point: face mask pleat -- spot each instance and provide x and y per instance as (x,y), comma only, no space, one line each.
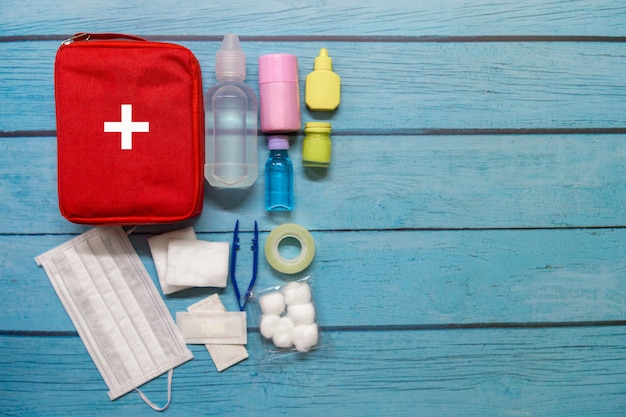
(158,319)
(86,312)
(117,307)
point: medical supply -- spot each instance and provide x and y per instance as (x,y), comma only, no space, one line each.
(130,130)
(233,264)
(118,312)
(223,356)
(316,146)
(278,175)
(197,263)
(279,93)
(268,324)
(210,327)
(323,86)
(158,247)
(296,292)
(231,121)
(287,328)
(283,333)
(272,304)
(295,264)
(305,337)
(301,313)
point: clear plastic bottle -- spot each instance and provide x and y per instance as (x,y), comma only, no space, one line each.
(278,175)
(231,109)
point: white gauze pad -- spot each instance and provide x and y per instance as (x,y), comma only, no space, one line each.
(158,248)
(197,263)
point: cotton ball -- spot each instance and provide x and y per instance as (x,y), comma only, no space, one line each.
(305,337)
(297,293)
(301,313)
(283,334)
(272,303)
(268,324)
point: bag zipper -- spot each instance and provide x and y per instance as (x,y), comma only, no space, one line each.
(83,36)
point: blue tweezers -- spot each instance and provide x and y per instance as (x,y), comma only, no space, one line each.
(233,263)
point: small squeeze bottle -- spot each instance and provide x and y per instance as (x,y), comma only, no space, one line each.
(231,122)
(323,86)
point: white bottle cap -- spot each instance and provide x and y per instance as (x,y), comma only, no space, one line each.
(230,60)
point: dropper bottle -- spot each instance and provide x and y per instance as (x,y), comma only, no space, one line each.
(231,108)
(323,86)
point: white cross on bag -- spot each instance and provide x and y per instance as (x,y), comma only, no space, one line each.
(126,127)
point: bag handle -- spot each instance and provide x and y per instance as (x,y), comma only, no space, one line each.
(83,36)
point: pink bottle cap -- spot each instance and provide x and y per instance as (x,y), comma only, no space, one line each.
(277,68)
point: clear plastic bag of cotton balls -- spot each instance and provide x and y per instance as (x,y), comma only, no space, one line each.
(288,319)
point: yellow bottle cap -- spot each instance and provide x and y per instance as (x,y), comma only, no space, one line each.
(320,127)
(323,61)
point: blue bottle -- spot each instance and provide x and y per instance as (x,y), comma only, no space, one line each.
(278,175)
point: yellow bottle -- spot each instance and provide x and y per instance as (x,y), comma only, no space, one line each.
(316,146)
(322,91)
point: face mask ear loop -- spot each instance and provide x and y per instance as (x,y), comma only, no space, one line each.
(170,374)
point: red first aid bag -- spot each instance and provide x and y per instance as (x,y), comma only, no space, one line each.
(130,130)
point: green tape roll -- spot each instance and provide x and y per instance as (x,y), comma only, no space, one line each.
(300,262)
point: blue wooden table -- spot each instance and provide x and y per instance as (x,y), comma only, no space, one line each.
(470,232)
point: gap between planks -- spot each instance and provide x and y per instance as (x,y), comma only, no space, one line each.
(406,132)
(348,38)
(387,328)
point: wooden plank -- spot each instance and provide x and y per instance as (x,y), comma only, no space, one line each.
(399,278)
(391,87)
(556,372)
(423,182)
(280,18)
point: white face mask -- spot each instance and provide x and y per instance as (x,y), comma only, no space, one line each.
(116,309)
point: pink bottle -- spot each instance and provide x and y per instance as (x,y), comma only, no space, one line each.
(279,93)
